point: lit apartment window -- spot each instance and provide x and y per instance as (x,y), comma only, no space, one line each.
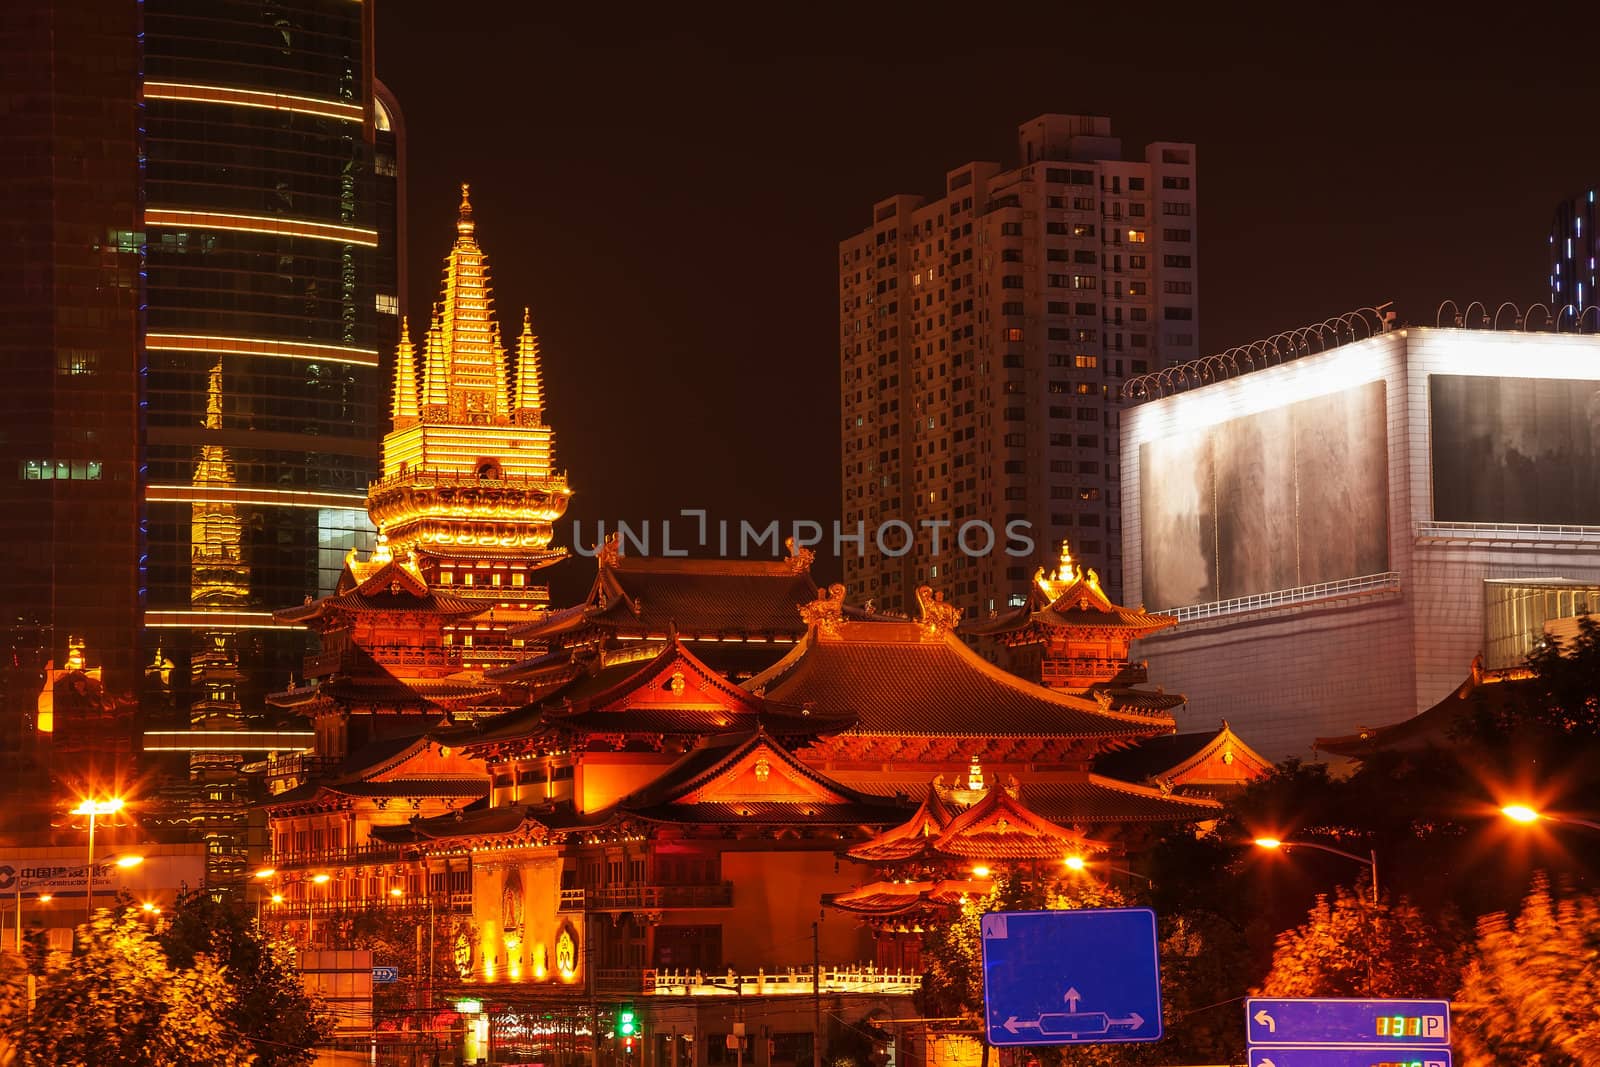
(1087,362)
(1136,237)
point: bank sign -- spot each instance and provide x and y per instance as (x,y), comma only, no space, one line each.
(53,875)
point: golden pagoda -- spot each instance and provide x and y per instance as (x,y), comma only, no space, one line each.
(468,484)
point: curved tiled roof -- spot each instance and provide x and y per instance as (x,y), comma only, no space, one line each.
(900,679)
(1089,799)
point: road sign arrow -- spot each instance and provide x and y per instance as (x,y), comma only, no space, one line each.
(1072,998)
(1013,1024)
(1266,1020)
(1264,1062)
(1132,1022)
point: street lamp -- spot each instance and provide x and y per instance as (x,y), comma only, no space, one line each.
(1081,865)
(1273,844)
(93,808)
(1527,816)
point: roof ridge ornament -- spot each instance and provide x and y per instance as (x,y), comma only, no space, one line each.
(936,616)
(827,611)
(800,558)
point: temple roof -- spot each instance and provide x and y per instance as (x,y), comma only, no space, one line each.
(1493,690)
(908,897)
(1190,760)
(380,584)
(670,693)
(1000,826)
(753,779)
(650,596)
(919,678)
(1070,597)
(1086,800)
(408,766)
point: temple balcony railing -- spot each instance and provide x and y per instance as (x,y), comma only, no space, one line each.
(781,981)
(647,897)
(1068,673)
(343,856)
(290,909)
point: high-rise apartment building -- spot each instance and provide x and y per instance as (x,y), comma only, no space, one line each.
(202,203)
(1573,252)
(984,338)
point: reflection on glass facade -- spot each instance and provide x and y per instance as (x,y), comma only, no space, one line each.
(70,298)
(266,214)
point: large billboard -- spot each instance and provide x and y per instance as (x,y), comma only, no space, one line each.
(1294,496)
(1515,450)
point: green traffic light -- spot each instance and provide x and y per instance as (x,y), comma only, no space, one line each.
(625,1023)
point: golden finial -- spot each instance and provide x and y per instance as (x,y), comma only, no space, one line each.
(1065,570)
(464,219)
(405,330)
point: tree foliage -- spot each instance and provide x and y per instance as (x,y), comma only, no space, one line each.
(268,1004)
(116,999)
(1349,946)
(1530,990)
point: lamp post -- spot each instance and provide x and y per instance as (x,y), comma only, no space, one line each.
(93,808)
(1273,844)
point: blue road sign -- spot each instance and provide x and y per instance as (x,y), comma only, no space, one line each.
(385,974)
(1328,1021)
(1303,1056)
(1071,977)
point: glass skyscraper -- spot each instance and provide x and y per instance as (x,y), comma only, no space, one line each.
(206,198)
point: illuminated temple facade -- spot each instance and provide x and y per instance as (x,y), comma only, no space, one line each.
(661,798)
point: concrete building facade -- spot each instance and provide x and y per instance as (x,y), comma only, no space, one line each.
(1341,526)
(984,337)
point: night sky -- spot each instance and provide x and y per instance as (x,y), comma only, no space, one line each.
(667,190)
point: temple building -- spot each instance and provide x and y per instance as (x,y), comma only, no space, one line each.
(649,802)
(738,614)
(465,511)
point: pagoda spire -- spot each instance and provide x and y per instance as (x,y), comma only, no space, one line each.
(436,370)
(502,388)
(405,376)
(530,391)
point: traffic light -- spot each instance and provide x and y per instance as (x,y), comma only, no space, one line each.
(627,1046)
(627,1026)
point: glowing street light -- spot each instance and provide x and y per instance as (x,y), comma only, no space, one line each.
(397,892)
(1527,816)
(93,808)
(1080,865)
(980,871)
(266,872)
(1273,844)
(129,861)
(320,879)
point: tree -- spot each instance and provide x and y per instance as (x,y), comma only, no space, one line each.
(269,1005)
(13,1007)
(1529,991)
(115,999)
(1348,946)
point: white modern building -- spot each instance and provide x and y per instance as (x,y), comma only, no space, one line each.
(1342,533)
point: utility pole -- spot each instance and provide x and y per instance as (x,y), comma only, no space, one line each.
(816,996)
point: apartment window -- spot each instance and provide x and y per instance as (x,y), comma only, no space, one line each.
(1136,237)
(1011,281)
(1060,492)
(1135,185)
(1056,307)
(1138,288)
(1086,255)
(1060,440)
(1015,415)
(1084,335)
(1016,492)
(1177,261)
(1061,466)
(1083,309)
(1176,207)
(1173,181)
(1012,360)
(1011,229)
(1087,362)
(1136,262)
(1175,155)
(1088,440)
(1083,203)
(1016,466)
(1088,494)
(1170,286)
(1013,333)
(1059,333)
(77,361)
(1057,412)
(1011,255)
(1059,228)
(1088,415)
(1177,313)
(1015,440)
(1085,281)
(1179,236)
(1011,307)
